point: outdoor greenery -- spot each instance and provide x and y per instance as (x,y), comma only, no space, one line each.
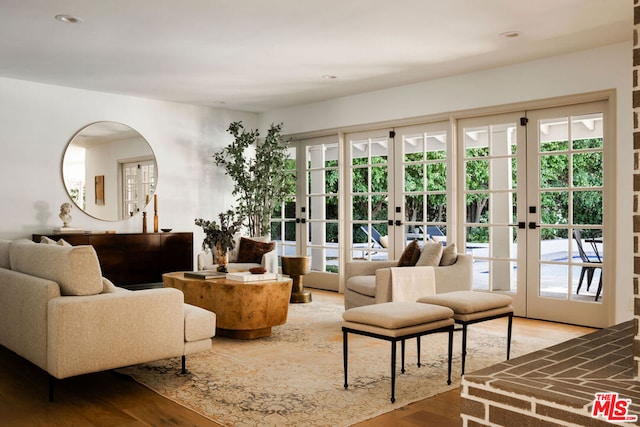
(585,191)
(260,179)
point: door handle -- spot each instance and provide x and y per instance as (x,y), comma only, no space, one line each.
(521,224)
(398,222)
(533,225)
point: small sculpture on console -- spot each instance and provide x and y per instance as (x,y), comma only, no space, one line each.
(65,214)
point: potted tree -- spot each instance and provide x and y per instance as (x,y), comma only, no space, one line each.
(219,236)
(260,182)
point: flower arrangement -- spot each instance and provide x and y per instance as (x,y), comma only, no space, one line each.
(219,236)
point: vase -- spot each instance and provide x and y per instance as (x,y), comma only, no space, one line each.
(221,258)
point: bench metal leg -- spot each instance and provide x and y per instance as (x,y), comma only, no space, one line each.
(509,327)
(402,346)
(393,371)
(450,354)
(344,356)
(418,338)
(464,346)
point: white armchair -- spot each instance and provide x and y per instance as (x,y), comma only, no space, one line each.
(207,261)
(369,282)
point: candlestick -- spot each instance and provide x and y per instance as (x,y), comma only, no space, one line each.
(144,222)
(155,213)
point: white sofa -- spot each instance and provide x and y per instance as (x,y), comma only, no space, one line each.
(58,312)
(369,282)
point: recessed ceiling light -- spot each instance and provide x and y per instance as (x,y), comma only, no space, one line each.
(329,77)
(69,19)
(510,34)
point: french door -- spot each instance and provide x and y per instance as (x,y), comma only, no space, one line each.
(307,222)
(397,188)
(531,180)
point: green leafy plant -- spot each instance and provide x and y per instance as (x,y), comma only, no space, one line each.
(219,236)
(260,180)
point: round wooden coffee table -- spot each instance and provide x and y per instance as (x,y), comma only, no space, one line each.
(244,310)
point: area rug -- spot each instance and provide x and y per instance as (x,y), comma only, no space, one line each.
(295,377)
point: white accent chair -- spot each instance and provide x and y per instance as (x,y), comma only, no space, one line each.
(369,282)
(206,259)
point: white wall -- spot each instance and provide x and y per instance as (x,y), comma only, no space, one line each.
(581,72)
(37,121)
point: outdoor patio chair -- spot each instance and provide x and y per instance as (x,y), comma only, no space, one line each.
(374,235)
(588,269)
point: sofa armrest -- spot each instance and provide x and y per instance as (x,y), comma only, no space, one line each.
(455,277)
(270,261)
(366,268)
(383,285)
(99,332)
(23,314)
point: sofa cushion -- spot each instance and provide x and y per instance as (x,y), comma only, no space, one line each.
(199,324)
(4,253)
(252,251)
(76,269)
(365,285)
(430,255)
(410,255)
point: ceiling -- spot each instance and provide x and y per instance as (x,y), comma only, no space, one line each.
(259,55)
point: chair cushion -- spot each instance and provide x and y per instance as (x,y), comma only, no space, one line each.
(396,315)
(365,285)
(410,255)
(431,254)
(466,302)
(252,251)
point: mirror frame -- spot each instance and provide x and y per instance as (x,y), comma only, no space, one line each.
(102,185)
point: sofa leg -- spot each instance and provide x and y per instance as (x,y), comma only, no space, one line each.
(51,386)
(184,365)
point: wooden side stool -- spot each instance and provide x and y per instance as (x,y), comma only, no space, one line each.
(471,307)
(397,321)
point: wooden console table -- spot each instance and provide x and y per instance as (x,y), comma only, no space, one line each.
(129,259)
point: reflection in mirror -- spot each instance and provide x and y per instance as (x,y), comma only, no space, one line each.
(109,171)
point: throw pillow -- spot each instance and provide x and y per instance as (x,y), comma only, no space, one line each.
(48,241)
(449,255)
(431,254)
(410,255)
(108,286)
(63,242)
(251,251)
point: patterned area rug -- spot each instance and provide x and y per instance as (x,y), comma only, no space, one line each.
(295,377)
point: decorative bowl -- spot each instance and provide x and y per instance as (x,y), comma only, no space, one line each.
(166,230)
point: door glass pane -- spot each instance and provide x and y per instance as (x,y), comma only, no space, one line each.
(554,171)
(554,134)
(587,169)
(554,207)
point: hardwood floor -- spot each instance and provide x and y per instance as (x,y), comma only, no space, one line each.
(110,399)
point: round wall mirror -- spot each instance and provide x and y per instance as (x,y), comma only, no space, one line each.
(109,171)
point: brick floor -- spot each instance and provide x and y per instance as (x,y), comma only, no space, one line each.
(556,385)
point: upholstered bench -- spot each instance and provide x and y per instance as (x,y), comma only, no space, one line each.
(397,321)
(472,307)
(199,324)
